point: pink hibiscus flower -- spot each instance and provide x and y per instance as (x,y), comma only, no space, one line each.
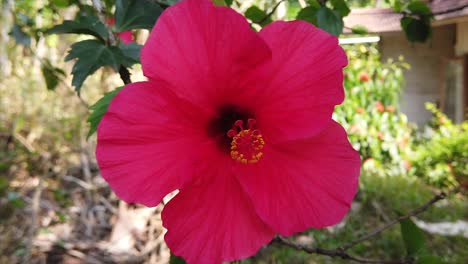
(126,36)
(240,123)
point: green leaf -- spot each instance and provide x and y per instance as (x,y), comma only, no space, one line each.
(89,25)
(341,7)
(20,36)
(308,14)
(314,3)
(219,2)
(416,29)
(176,260)
(429,260)
(257,16)
(3,185)
(99,109)
(135,14)
(413,237)
(228,2)
(361,30)
(61,3)
(397,5)
(329,21)
(90,55)
(420,8)
(131,51)
(51,75)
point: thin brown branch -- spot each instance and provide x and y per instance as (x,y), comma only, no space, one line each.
(270,13)
(415,212)
(442,12)
(335,253)
(341,252)
(450,10)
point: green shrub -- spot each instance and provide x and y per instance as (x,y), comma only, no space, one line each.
(441,154)
(371,112)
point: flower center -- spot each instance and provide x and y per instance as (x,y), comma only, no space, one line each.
(246,144)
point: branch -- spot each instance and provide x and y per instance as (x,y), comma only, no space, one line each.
(342,251)
(450,10)
(335,253)
(415,212)
(100,8)
(124,75)
(270,13)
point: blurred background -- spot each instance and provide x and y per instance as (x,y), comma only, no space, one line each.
(405,112)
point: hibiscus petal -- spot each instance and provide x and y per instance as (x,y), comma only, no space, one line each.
(204,51)
(147,143)
(305,79)
(214,221)
(305,183)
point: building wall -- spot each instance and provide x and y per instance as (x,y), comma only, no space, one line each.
(423,79)
(461,46)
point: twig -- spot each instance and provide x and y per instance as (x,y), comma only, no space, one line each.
(335,253)
(450,10)
(100,8)
(342,250)
(270,13)
(124,75)
(416,211)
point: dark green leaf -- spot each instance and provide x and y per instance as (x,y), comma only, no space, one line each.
(89,25)
(51,75)
(329,21)
(341,7)
(420,8)
(176,260)
(308,14)
(168,2)
(90,55)
(20,36)
(359,30)
(416,29)
(131,51)
(135,14)
(257,16)
(228,2)
(429,260)
(413,237)
(99,109)
(314,3)
(86,10)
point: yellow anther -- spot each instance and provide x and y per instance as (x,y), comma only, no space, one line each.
(246,146)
